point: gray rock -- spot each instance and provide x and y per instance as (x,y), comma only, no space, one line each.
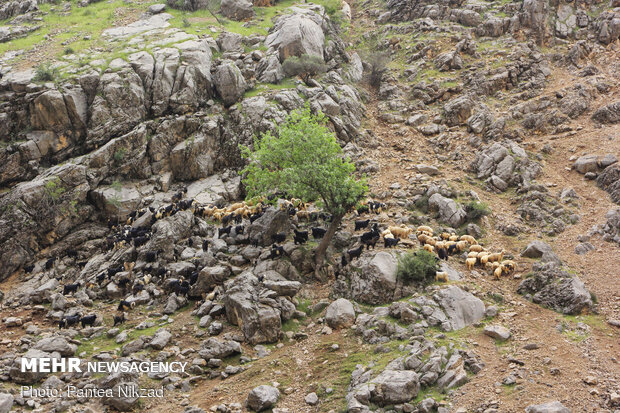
(340,314)
(586,163)
(461,308)
(56,344)
(540,249)
(262,398)
(583,248)
(133,346)
(160,339)
(608,114)
(237,9)
(393,387)
(28,377)
(449,211)
(213,348)
(312,399)
(372,279)
(157,8)
(552,287)
(13,322)
(497,332)
(609,180)
(258,316)
(6,402)
(297,34)
(551,407)
(230,42)
(229,82)
(272,222)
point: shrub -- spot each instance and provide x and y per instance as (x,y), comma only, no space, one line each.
(422,203)
(45,73)
(69,50)
(476,210)
(304,66)
(378,62)
(186,22)
(419,266)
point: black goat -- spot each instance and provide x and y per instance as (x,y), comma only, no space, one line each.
(88,320)
(276,251)
(100,278)
(119,319)
(223,230)
(318,232)
(28,269)
(239,229)
(278,238)
(205,245)
(68,321)
(49,264)
(113,270)
(302,235)
(361,224)
(442,253)
(70,288)
(150,256)
(390,242)
(125,305)
(355,252)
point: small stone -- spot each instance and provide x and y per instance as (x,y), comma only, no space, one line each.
(312,399)
(497,332)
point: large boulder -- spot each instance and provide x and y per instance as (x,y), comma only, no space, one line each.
(209,278)
(237,9)
(340,314)
(6,402)
(608,113)
(461,308)
(609,180)
(372,279)
(272,222)
(213,348)
(229,82)
(295,35)
(253,309)
(262,398)
(542,250)
(449,211)
(56,344)
(394,387)
(28,377)
(160,339)
(122,400)
(552,287)
(459,109)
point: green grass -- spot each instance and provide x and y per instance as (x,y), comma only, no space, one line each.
(104,343)
(287,83)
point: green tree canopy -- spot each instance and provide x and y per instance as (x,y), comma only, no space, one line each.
(305,161)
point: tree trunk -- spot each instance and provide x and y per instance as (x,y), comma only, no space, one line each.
(319,256)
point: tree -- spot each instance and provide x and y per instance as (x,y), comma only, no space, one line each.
(305,66)
(305,161)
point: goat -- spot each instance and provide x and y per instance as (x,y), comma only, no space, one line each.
(318,232)
(355,252)
(278,238)
(70,288)
(361,224)
(429,248)
(301,235)
(88,320)
(119,319)
(276,251)
(223,230)
(205,245)
(390,242)
(442,253)
(125,305)
(49,264)
(69,320)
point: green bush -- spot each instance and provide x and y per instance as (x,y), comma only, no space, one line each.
(476,210)
(304,66)
(422,203)
(419,266)
(45,73)
(69,50)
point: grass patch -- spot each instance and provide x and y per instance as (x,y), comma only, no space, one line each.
(287,83)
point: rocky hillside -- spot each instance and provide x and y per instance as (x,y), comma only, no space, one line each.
(119,182)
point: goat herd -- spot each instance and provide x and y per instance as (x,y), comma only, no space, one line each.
(137,229)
